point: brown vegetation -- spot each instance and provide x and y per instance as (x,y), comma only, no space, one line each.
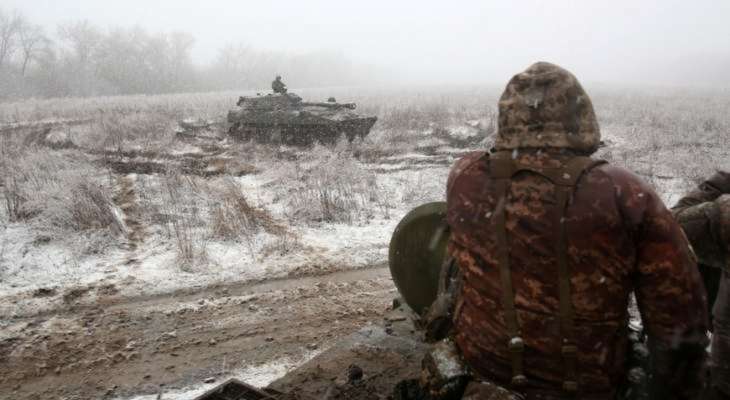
(58,160)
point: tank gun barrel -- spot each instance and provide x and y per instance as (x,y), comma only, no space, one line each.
(349,106)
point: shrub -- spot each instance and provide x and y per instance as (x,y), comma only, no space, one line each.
(232,217)
(182,216)
(121,132)
(82,205)
(332,186)
(59,191)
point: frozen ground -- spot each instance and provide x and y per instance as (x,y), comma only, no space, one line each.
(258,376)
(134,261)
(33,260)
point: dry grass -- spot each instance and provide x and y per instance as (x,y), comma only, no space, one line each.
(89,207)
(284,244)
(124,132)
(233,217)
(13,200)
(174,106)
(384,143)
(182,215)
(664,136)
(193,211)
(58,190)
(331,186)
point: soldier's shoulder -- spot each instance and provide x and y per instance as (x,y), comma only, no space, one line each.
(469,159)
(466,163)
(619,175)
(634,196)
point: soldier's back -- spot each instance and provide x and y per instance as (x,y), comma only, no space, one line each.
(609,207)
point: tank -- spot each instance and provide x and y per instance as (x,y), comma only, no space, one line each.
(286,119)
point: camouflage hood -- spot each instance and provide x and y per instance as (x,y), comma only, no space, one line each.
(545,106)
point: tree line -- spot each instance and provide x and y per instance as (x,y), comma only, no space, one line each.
(82,59)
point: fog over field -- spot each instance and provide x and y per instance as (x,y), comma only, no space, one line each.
(167,224)
(653,42)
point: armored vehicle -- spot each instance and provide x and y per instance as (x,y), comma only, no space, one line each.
(284,118)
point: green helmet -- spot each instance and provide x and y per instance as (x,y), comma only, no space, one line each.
(417,252)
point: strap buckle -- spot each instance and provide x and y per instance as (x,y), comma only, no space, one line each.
(516,345)
(519,380)
(570,353)
(569,350)
(570,386)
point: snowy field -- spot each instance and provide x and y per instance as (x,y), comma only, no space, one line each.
(102,203)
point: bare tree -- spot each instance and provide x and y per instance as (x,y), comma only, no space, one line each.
(237,65)
(181,43)
(32,41)
(9,25)
(84,40)
(87,60)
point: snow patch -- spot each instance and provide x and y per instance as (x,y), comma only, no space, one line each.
(257,376)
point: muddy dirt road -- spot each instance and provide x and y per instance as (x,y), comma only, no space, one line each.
(117,347)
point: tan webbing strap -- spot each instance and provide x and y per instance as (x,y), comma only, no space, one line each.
(564,188)
(569,350)
(501,169)
(515,344)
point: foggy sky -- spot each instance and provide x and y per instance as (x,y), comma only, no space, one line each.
(649,41)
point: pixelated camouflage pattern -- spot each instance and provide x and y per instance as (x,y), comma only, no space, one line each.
(705,218)
(704,214)
(700,224)
(709,190)
(545,106)
(621,238)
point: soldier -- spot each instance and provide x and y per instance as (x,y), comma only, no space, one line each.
(551,244)
(278,86)
(704,215)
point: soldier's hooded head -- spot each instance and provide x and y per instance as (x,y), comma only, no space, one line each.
(546,107)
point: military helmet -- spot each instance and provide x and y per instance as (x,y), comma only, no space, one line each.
(545,106)
(417,252)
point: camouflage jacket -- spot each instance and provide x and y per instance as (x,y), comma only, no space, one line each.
(621,238)
(704,214)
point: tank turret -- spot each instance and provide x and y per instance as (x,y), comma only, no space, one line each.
(284,118)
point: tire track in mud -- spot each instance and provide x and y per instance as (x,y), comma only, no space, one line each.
(142,345)
(377,271)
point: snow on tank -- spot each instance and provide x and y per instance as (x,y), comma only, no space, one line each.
(286,119)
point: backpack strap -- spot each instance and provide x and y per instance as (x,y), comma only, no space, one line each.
(502,168)
(565,187)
